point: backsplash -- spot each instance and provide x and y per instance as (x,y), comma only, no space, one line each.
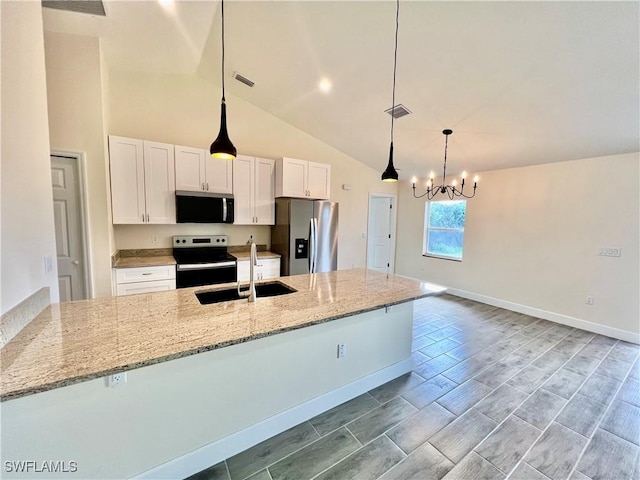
(132,237)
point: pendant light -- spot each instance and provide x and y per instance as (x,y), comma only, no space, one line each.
(390,174)
(222,147)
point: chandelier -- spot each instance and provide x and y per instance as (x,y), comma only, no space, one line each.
(451,190)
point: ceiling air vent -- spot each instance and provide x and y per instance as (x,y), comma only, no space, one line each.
(92,7)
(398,111)
(243,79)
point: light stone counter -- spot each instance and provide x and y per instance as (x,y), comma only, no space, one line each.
(246,255)
(78,341)
(151,261)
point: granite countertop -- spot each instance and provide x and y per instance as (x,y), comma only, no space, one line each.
(246,255)
(147,257)
(155,261)
(78,341)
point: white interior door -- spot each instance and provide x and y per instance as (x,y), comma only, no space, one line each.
(67,210)
(381,234)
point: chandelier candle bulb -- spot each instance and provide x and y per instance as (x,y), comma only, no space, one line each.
(453,182)
(413,181)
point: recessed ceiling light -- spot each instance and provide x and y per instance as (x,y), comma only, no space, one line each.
(325,85)
(166,3)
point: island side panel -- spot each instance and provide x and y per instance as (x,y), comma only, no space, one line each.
(167,411)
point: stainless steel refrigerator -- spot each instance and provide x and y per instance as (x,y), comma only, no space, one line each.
(306,235)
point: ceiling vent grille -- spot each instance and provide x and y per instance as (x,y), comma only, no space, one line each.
(243,79)
(398,111)
(92,7)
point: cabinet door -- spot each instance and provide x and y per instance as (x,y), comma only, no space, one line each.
(243,269)
(159,182)
(270,268)
(264,194)
(292,178)
(190,164)
(319,180)
(243,190)
(127,180)
(218,175)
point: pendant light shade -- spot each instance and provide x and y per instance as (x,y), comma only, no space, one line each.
(222,147)
(390,174)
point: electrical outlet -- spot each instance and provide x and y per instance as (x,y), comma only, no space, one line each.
(154,238)
(610,252)
(117,379)
(589,300)
(342,350)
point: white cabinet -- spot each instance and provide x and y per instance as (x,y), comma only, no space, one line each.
(145,279)
(303,179)
(253,191)
(266,268)
(197,171)
(142,181)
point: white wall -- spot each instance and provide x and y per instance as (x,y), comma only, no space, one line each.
(27,233)
(185,110)
(532,238)
(76,124)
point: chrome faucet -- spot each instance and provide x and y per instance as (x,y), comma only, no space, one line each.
(252,279)
(253,261)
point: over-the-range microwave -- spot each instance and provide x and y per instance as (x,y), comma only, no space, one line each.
(197,207)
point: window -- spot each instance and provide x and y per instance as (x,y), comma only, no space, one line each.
(444,228)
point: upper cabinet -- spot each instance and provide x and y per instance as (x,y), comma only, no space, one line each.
(253,191)
(303,179)
(197,171)
(142,181)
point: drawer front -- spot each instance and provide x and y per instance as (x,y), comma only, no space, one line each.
(145,274)
(145,287)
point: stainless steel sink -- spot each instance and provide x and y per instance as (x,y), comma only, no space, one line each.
(267,289)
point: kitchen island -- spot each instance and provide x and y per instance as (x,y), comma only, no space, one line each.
(204,381)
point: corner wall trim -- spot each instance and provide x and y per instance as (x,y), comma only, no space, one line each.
(235,443)
(551,316)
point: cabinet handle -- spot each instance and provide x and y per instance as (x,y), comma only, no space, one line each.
(148,273)
(147,218)
(207,186)
(202,185)
(143,218)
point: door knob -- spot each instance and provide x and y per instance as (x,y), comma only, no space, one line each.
(76,262)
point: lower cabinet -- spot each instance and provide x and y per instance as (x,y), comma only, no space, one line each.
(266,268)
(145,279)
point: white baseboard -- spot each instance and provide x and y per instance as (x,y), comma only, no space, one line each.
(215,452)
(551,316)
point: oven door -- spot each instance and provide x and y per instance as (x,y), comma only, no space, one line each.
(198,274)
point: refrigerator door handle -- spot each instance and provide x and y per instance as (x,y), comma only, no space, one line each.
(315,245)
(311,245)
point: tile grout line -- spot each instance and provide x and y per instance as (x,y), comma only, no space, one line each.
(604,415)
(560,412)
(520,405)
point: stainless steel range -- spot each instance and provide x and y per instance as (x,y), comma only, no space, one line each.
(203,260)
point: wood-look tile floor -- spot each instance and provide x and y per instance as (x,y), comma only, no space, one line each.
(493,394)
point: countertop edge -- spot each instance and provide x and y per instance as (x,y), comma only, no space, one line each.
(154,361)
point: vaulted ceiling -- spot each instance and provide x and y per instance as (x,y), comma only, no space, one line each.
(520,83)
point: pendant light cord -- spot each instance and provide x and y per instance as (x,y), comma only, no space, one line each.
(222,7)
(395,60)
